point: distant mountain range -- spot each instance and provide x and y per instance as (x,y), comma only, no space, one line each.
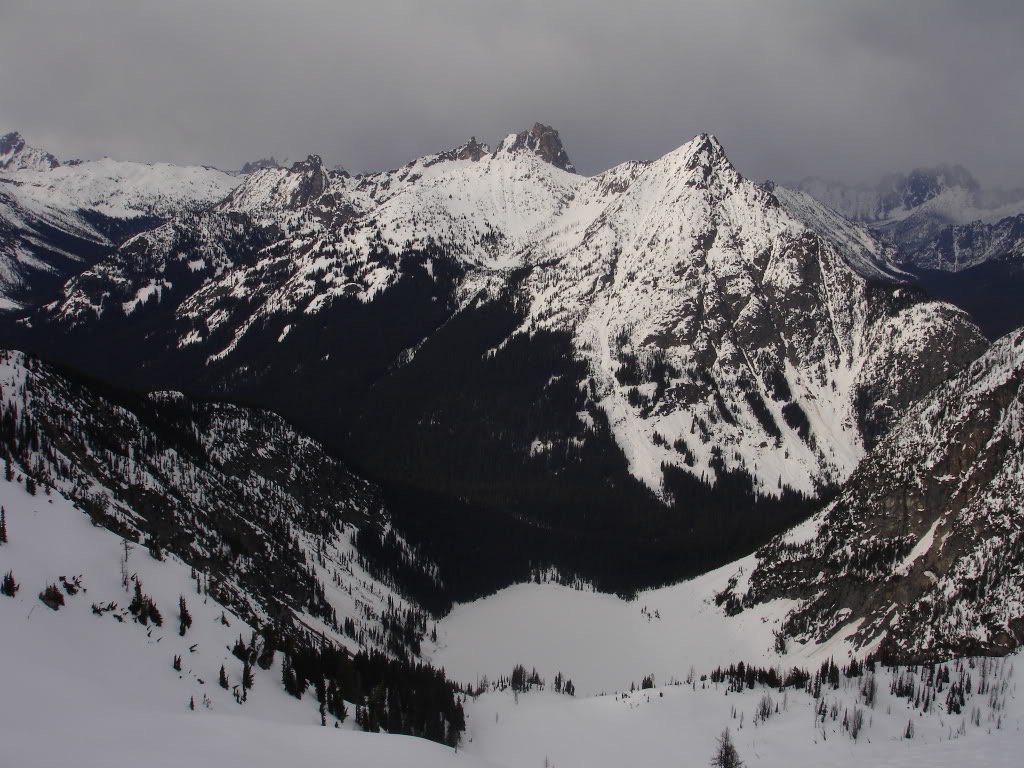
(939,218)
(57,220)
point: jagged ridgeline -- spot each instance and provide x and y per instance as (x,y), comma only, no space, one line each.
(625,379)
(262,513)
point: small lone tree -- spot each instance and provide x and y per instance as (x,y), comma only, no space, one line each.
(185,618)
(52,597)
(3,525)
(9,586)
(726,755)
(223,678)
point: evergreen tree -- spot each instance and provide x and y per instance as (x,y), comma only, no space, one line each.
(247,676)
(3,525)
(726,756)
(138,601)
(30,485)
(9,586)
(223,680)
(185,618)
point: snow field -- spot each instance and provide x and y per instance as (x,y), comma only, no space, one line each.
(92,691)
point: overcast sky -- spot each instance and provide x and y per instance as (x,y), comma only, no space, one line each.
(830,88)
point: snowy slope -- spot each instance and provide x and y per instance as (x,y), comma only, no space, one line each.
(119,699)
(958,247)
(225,488)
(680,725)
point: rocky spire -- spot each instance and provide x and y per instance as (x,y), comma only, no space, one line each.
(543,141)
(313,182)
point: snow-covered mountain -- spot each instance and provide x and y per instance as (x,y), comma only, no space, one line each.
(671,325)
(937,218)
(948,192)
(958,247)
(56,220)
(679,264)
(688,286)
(925,545)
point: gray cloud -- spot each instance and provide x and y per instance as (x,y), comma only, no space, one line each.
(839,89)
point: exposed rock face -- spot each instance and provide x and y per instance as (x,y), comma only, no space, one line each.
(898,192)
(544,142)
(472,150)
(312,184)
(924,548)
(16,155)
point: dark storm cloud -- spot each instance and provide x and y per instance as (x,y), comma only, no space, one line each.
(842,89)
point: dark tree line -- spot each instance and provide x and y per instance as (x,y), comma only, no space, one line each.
(390,694)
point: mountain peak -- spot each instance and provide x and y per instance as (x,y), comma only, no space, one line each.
(312,163)
(277,187)
(705,151)
(257,165)
(541,140)
(16,155)
(702,160)
(923,184)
